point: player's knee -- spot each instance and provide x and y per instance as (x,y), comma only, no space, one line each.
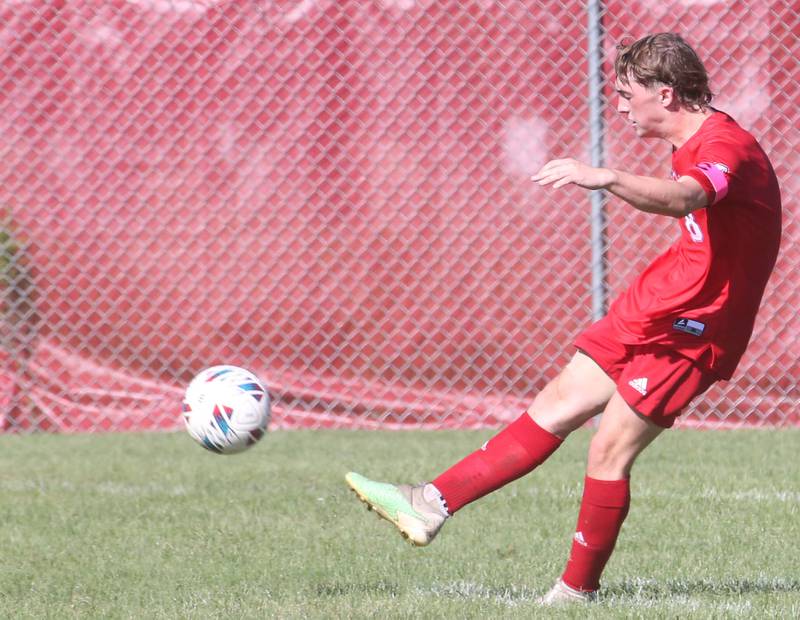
(560,407)
(608,459)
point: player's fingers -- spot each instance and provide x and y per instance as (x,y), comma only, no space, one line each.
(548,168)
(547,179)
(547,176)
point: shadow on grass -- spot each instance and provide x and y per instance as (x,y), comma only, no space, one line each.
(647,589)
(675,587)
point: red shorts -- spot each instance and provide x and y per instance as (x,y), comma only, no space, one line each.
(655,381)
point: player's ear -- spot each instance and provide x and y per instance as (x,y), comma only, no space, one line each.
(666,96)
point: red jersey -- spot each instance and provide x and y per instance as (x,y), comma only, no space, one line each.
(701,296)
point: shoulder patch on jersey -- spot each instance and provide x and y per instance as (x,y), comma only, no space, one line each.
(689,326)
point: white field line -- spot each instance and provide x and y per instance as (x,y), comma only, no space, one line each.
(680,604)
(510,596)
(513,596)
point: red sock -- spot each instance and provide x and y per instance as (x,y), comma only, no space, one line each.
(603,509)
(513,452)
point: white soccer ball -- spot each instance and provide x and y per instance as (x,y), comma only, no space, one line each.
(226,409)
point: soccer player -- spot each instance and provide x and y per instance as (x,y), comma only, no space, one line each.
(681,325)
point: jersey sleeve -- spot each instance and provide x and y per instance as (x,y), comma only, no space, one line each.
(715,168)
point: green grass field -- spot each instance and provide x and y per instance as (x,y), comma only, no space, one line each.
(153,526)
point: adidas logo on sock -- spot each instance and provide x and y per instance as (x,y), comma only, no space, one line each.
(640,385)
(578,538)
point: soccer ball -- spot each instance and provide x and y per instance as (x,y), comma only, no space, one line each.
(226,409)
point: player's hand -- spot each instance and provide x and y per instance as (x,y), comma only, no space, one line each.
(561,172)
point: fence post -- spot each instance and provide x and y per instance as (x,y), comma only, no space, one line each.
(596,134)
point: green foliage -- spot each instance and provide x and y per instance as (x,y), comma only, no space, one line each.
(9,259)
(17,294)
(153,526)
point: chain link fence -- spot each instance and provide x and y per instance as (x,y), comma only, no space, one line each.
(336,195)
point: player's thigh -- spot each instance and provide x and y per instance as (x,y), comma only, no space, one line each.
(579,392)
(621,436)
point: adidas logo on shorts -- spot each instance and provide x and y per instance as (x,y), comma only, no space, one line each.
(640,385)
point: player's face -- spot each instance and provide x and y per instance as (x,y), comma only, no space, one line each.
(642,107)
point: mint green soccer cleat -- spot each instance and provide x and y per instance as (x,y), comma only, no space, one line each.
(415,511)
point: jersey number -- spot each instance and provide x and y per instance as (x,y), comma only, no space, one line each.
(694,228)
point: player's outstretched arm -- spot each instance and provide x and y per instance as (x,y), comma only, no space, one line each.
(649,194)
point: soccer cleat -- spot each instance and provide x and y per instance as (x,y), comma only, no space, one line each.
(561,594)
(415,511)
